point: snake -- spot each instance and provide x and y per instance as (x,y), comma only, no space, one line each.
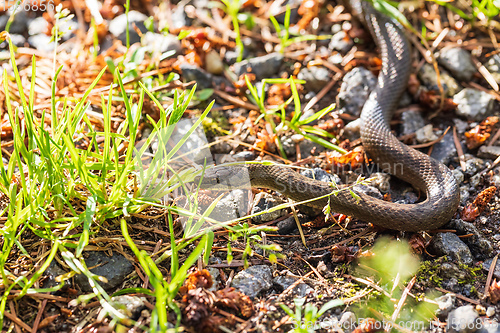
(424,173)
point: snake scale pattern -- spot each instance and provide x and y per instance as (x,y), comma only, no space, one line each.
(423,172)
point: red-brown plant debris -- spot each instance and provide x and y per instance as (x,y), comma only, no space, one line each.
(279,93)
(472,211)
(353,159)
(206,311)
(417,243)
(343,254)
(432,100)
(369,325)
(479,134)
(494,292)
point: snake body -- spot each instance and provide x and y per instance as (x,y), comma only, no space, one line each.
(423,172)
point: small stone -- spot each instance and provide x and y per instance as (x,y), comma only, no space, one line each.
(449,244)
(214,273)
(473,166)
(231,206)
(41,42)
(253,280)
(444,151)
(195,73)
(335,59)
(489,152)
(300,290)
(459,176)
(214,63)
(446,303)
(490,311)
(118,26)
(493,66)
(381,181)
(262,202)
(340,42)
(428,76)
(263,67)
(352,130)
(17,40)
(461,125)
(425,134)
(308,148)
(114,268)
(368,190)
(486,267)
(348,321)
(129,306)
(411,121)
(51,273)
(20,23)
(297,138)
(161,43)
(474,104)
(463,320)
(316,77)
(459,62)
(244,156)
(355,89)
(37,26)
(321,175)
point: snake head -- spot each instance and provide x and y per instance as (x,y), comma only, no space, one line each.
(224,178)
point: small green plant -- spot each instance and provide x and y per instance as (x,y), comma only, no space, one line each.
(284,32)
(305,319)
(296,123)
(232,8)
(251,238)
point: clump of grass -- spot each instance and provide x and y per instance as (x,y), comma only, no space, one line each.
(48,172)
(296,123)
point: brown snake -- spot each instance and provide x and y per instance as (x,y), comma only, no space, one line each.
(423,172)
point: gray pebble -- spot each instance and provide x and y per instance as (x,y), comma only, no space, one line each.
(352,130)
(446,303)
(161,43)
(355,89)
(114,269)
(194,73)
(425,134)
(463,320)
(474,104)
(480,247)
(231,206)
(316,77)
(411,121)
(262,67)
(340,42)
(459,62)
(444,151)
(129,306)
(449,244)
(428,76)
(300,290)
(262,202)
(253,280)
(493,66)
(488,152)
(118,26)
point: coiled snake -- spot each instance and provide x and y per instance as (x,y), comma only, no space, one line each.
(423,172)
